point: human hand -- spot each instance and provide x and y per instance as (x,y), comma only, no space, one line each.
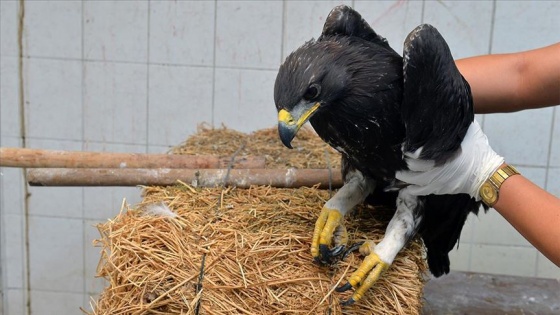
(464,172)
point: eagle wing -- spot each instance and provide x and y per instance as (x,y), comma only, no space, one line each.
(437,110)
(437,106)
(345,21)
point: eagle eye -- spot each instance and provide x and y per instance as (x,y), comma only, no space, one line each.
(312,92)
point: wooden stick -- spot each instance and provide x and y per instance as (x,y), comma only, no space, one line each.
(202,178)
(34,158)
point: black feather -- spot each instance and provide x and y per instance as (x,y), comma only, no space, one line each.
(368,111)
(444,217)
(437,106)
(345,21)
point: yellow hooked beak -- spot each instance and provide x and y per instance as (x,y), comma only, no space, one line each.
(290,123)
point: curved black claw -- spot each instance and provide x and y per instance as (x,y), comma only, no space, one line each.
(351,249)
(329,256)
(337,251)
(343,288)
(348,302)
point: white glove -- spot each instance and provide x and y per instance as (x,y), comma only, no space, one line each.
(464,172)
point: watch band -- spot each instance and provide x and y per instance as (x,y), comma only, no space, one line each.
(489,191)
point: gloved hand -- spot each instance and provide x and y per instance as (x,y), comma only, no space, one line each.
(464,172)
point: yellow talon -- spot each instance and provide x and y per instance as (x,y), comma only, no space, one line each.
(326,224)
(367,274)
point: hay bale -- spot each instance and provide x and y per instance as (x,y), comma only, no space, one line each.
(252,245)
(309,150)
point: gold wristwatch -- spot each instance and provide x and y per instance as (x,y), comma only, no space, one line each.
(489,191)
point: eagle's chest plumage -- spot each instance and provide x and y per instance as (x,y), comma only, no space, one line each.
(371,144)
(364,123)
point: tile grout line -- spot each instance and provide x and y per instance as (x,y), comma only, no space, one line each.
(165,64)
(423,12)
(489,51)
(492,26)
(283,35)
(23,134)
(83,148)
(213,96)
(550,141)
(148,80)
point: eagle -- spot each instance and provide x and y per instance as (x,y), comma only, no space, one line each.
(372,105)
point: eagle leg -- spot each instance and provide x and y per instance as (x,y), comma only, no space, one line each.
(402,227)
(330,236)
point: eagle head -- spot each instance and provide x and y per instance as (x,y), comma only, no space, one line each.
(343,78)
(311,79)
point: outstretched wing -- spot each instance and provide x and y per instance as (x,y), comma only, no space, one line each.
(437,106)
(345,21)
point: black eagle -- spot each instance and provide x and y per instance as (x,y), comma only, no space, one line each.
(371,105)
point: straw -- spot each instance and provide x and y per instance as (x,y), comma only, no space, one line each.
(255,244)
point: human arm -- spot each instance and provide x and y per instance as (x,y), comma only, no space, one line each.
(513,82)
(501,83)
(533,212)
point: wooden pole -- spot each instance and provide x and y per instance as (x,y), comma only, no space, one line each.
(34,158)
(243,178)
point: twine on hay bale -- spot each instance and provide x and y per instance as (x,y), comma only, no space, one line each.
(252,245)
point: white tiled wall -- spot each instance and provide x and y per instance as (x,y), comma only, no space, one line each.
(180,97)
(172,39)
(115,30)
(138,76)
(53,29)
(53,98)
(115,99)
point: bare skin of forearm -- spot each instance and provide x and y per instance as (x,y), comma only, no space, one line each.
(534,213)
(511,82)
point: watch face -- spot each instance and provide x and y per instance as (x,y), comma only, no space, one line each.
(488,194)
